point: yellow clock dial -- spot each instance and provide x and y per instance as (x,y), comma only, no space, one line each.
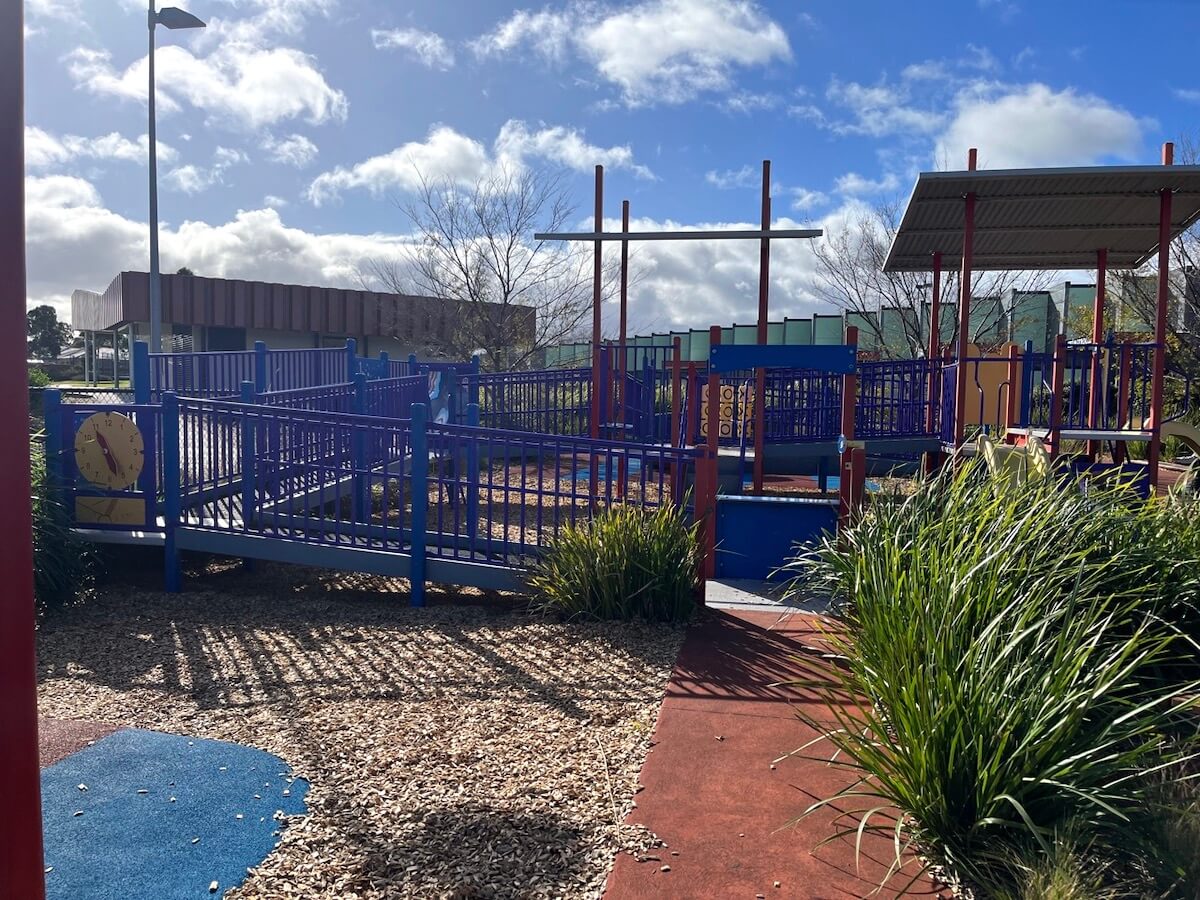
(109,451)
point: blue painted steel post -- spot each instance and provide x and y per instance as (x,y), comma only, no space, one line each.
(141,372)
(385,364)
(351,358)
(250,444)
(1025,419)
(360,482)
(420,503)
(412,364)
(52,412)
(171,487)
(474,389)
(472,477)
(260,367)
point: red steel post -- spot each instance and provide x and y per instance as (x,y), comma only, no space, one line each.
(21,874)
(764,287)
(1160,319)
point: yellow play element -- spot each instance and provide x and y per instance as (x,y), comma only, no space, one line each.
(732,403)
(1015,465)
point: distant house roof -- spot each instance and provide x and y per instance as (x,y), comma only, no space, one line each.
(1043,218)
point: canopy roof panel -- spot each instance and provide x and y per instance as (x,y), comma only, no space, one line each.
(1043,218)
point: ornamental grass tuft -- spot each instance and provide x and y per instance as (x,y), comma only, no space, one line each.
(626,563)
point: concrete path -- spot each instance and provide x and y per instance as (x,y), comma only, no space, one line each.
(710,790)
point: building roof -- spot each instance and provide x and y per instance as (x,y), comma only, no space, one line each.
(1043,218)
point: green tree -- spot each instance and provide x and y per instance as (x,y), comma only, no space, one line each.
(45,335)
(184,270)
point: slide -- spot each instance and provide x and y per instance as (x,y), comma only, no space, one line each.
(1189,434)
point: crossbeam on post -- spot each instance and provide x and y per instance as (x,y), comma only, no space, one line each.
(745,235)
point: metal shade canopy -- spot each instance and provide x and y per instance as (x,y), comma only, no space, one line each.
(1043,218)
(174,18)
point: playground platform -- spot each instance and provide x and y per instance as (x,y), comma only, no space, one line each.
(711,792)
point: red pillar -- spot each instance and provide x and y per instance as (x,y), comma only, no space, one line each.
(1160,319)
(848,475)
(964,311)
(21,822)
(1095,389)
(764,282)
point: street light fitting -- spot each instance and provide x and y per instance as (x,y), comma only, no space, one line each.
(174,18)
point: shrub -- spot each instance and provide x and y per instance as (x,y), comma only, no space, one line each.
(38,378)
(1003,672)
(626,563)
(62,563)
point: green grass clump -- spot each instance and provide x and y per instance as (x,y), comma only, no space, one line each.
(63,565)
(1018,651)
(626,563)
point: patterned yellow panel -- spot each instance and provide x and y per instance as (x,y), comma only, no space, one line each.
(729,398)
(110,511)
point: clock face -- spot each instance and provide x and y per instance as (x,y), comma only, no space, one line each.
(109,451)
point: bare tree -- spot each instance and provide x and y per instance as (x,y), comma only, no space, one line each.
(850,277)
(513,296)
(1135,294)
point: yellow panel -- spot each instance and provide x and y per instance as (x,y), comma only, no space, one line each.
(110,511)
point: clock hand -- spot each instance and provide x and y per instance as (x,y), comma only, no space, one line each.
(108,455)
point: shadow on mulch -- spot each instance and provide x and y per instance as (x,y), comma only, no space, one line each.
(489,852)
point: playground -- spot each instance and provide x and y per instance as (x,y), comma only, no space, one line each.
(299,500)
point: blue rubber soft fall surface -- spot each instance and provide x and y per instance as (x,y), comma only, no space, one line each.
(125,838)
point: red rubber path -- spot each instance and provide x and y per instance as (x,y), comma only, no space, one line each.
(710,792)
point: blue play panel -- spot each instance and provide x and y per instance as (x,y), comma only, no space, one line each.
(633,470)
(162,816)
(833,483)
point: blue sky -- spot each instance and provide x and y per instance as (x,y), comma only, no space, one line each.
(291,127)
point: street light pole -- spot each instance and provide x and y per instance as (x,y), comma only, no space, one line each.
(174,18)
(155,278)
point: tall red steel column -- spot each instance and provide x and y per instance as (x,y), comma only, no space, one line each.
(1160,318)
(964,310)
(21,874)
(764,288)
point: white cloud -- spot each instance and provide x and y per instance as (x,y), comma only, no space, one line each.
(879,110)
(192,179)
(804,199)
(293,150)
(855,185)
(746,176)
(238,83)
(447,154)
(430,49)
(562,145)
(656,51)
(74,241)
(548,32)
(1192,95)
(274,201)
(44,150)
(746,102)
(1033,125)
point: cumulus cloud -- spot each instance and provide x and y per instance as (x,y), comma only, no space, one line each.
(746,176)
(293,150)
(192,179)
(879,109)
(656,51)
(75,241)
(44,150)
(237,84)
(1033,125)
(428,48)
(856,185)
(448,154)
